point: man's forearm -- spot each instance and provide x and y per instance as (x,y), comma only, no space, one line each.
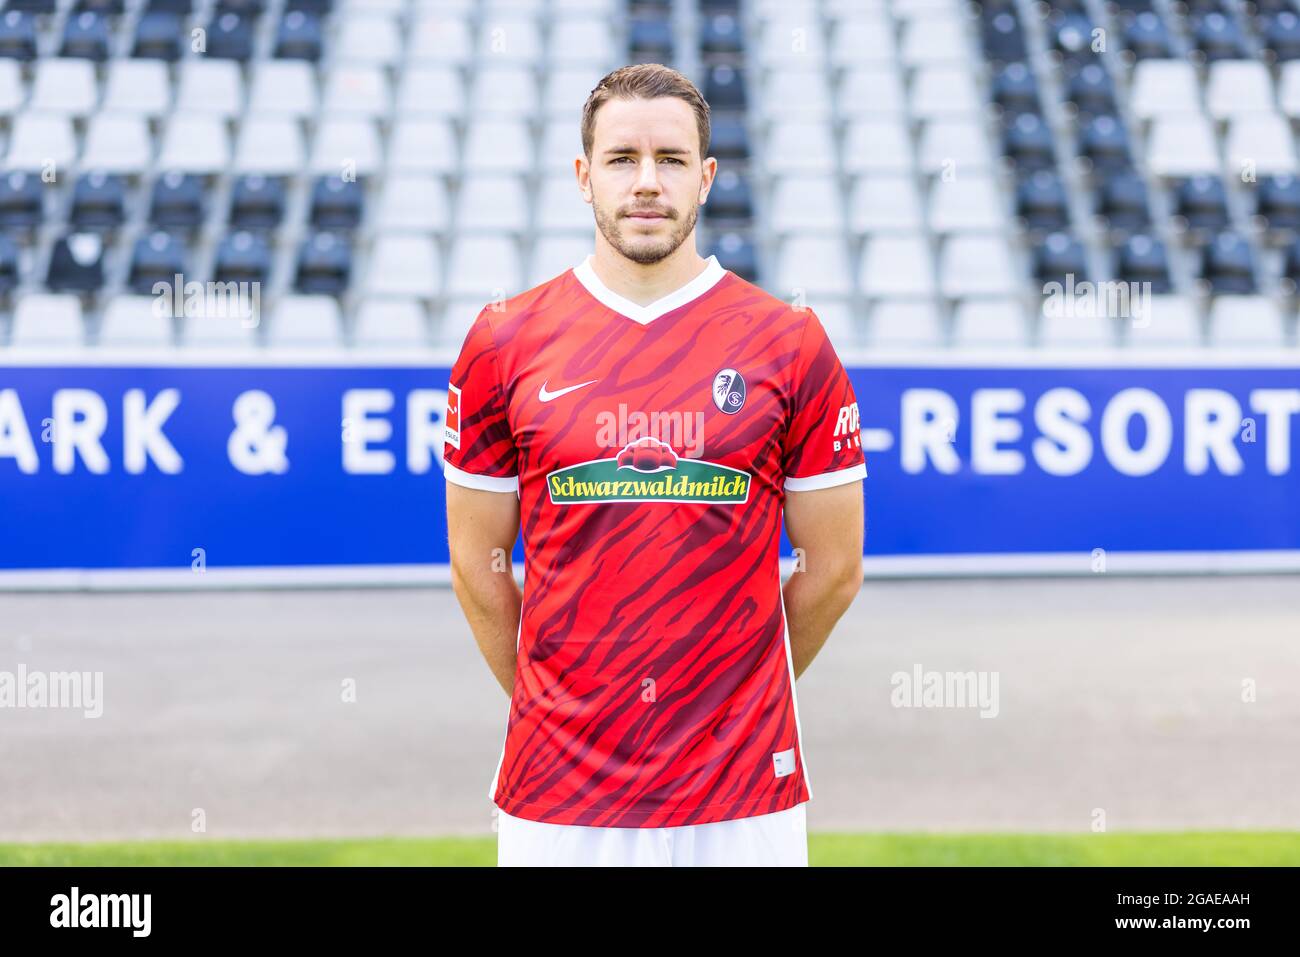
(814,602)
(492,602)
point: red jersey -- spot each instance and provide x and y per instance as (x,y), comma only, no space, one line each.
(650,448)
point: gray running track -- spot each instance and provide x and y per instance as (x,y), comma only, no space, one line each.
(1119,694)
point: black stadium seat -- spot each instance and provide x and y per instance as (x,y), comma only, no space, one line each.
(1202,202)
(1123,202)
(158,37)
(1142,258)
(230,37)
(324,265)
(86,35)
(98,202)
(336,203)
(1058,256)
(158,256)
(10,275)
(17,35)
(177,201)
(76,264)
(243,257)
(257,202)
(1227,264)
(298,37)
(1277,202)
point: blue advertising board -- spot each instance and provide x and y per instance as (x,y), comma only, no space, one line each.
(335,466)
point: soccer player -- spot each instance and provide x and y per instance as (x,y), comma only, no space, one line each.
(648,417)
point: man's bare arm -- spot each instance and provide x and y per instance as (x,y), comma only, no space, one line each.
(826,524)
(481,532)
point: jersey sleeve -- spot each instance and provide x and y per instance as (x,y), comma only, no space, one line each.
(823,443)
(479,448)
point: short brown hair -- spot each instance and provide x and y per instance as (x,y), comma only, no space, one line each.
(644,81)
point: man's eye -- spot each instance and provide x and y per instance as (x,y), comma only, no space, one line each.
(621,159)
(672,159)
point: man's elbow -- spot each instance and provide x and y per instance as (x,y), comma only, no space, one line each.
(849,581)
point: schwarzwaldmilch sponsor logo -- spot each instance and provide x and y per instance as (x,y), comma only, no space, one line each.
(647,470)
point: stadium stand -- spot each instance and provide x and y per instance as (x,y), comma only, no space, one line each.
(918,171)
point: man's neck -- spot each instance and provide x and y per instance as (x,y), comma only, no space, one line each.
(650,283)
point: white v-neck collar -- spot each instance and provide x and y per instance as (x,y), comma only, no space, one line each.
(645,314)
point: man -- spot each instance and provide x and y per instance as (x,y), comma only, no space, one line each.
(646,416)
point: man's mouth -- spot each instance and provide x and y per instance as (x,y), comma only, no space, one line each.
(646,214)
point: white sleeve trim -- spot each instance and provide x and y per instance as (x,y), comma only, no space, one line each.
(853,473)
(486,483)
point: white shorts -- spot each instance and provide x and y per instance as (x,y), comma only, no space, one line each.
(766,840)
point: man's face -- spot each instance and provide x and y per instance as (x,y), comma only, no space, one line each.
(646,177)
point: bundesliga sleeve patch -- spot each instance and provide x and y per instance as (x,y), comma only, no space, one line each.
(452,418)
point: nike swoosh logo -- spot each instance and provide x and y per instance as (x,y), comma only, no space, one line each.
(545,396)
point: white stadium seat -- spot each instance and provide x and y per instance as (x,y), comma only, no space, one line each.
(43,321)
(13,93)
(195,144)
(989,324)
(38,139)
(346,145)
(904,324)
(555,254)
(414,202)
(887,203)
(210,86)
(283,87)
(305,322)
(422,145)
(1164,88)
(64,86)
(1246,321)
(132,322)
(357,89)
(806,204)
(814,267)
(1164,321)
(486,266)
(270,145)
(491,203)
(897,266)
(136,86)
(391,324)
(117,143)
(404,265)
(509,91)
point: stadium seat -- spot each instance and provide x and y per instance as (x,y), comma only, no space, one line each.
(305,322)
(912,325)
(816,266)
(1245,320)
(391,324)
(403,265)
(324,265)
(134,323)
(47,321)
(1170,321)
(898,266)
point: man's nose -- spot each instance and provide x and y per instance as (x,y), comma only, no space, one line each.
(648,178)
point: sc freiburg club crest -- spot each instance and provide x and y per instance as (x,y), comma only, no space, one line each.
(648,470)
(729,391)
